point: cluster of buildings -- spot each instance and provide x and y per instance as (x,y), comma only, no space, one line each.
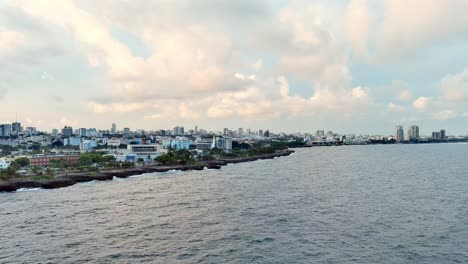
(413,134)
(125,145)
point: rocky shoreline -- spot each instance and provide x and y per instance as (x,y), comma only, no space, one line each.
(71,179)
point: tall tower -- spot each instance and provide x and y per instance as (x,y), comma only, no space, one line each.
(400,135)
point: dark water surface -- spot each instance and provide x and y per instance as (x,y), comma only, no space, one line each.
(357,204)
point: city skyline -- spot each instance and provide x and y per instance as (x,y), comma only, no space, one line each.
(306,65)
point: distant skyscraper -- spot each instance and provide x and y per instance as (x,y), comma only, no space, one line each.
(400,134)
(260,133)
(266,133)
(413,132)
(196,129)
(439,135)
(240,131)
(67,131)
(442,134)
(54,132)
(126,131)
(16,127)
(114,129)
(320,133)
(5,130)
(82,132)
(225,131)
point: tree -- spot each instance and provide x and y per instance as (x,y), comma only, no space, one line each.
(23,162)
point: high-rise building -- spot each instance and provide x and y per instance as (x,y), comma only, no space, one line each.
(114,129)
(240,131)
(126,131)
(16,128)
(82,132)
(439,135)
(400,134)
(320,133)
(225,131)
(413,132)
(54,132)
(260,133)
(196,130)
(266,133)
(5,130)
(67,131)
(442,134)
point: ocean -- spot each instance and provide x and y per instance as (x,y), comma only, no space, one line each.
(349,204)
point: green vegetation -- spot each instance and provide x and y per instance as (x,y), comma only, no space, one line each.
(42,177)
(178,157)
(23,162)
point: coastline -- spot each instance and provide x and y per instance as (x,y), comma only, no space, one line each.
(74,178)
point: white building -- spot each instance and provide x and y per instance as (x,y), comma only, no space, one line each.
(72,141)
(4,164)
(178,143)
(114,142)
(221,143)
(145,152)
(88,145)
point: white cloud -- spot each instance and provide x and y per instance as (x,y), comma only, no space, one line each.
(455,87)
(445,114)
(10,41)
(423,22)
(405,96)
(421,103)
(65,121)
(395,108)
(358,20)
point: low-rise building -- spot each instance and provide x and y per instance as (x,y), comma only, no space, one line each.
(44,160)
(4,164)
(145,152)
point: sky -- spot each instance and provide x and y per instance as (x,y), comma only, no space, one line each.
(352,66)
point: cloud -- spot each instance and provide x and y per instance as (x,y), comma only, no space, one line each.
(455,87)
(358,20)
(445,114)
(377,25)
(65,121)
(405,96)
(421,103)
(395,108)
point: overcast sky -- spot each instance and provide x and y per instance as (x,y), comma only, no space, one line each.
(348,66)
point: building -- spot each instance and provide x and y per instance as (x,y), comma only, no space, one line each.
(178,143)
(44,160)
(88,145)
(82,132)
(413,132)
(4,164)
(114,129)
(178,131)
(320,133)
(266,133)
(126,131)
(5,130)
(221,143)
(72,141)
(145,152)
(240,132)
(16,128)
(439,135)
(67,131)
(399,134)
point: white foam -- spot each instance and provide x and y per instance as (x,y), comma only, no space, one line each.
(28,189)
